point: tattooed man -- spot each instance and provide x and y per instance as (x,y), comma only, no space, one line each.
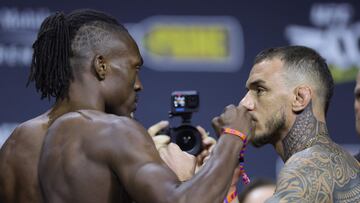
(289,90)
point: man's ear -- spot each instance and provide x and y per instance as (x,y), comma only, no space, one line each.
(101,67)
(303,96)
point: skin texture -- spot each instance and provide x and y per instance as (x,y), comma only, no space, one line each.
(290,117)
(17,180)
(19,157)
(323,172)
(95,154)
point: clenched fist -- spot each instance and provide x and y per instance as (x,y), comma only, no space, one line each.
(235,117)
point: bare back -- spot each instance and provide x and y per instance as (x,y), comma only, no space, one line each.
(76,163)
(19,158)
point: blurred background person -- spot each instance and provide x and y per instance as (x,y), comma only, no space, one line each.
(258,191)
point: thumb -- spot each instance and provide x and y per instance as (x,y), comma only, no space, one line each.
(157,127)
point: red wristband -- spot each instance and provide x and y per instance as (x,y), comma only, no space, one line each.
(231,131)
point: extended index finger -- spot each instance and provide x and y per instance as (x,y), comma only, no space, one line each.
(157,127)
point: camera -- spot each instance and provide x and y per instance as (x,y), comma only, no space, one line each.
(186,136)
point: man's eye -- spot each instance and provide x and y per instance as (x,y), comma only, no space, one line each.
(260,91)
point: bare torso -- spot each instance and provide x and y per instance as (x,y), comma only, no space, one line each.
(18,162)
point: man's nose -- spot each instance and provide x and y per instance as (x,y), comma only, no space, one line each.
(247,102)
(138,85)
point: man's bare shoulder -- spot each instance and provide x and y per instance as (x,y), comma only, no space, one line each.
(321,173)
(99,131)
(107,140)
(27,136)
(105,124)
(17,157)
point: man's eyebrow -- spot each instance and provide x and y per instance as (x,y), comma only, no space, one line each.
(255,83)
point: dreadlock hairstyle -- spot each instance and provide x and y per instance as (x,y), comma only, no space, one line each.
(50,67)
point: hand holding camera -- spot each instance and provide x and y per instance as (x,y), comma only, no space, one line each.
(182,163)
(159,140)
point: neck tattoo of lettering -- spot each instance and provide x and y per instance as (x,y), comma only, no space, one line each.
(304,133)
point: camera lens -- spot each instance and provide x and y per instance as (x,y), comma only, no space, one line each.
(188,138)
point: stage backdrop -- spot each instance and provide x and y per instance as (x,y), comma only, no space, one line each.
(208,46)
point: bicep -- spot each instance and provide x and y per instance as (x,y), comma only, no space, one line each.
(139,166)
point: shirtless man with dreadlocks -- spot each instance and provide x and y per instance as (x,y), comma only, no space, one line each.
(90,64)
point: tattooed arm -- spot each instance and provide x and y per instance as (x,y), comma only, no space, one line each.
(317,175)
(301,180)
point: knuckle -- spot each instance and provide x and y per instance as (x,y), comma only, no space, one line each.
(215,120)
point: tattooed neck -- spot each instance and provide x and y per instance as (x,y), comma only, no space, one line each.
(304,133)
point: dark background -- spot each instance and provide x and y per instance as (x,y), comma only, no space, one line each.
(263,25)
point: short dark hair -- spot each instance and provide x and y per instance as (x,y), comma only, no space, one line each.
(305,62)
(256,183)
(50,68)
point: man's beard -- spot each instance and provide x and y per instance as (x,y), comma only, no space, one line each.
(272,127)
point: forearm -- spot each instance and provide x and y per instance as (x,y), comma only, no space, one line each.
(214,179)
(149,175)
